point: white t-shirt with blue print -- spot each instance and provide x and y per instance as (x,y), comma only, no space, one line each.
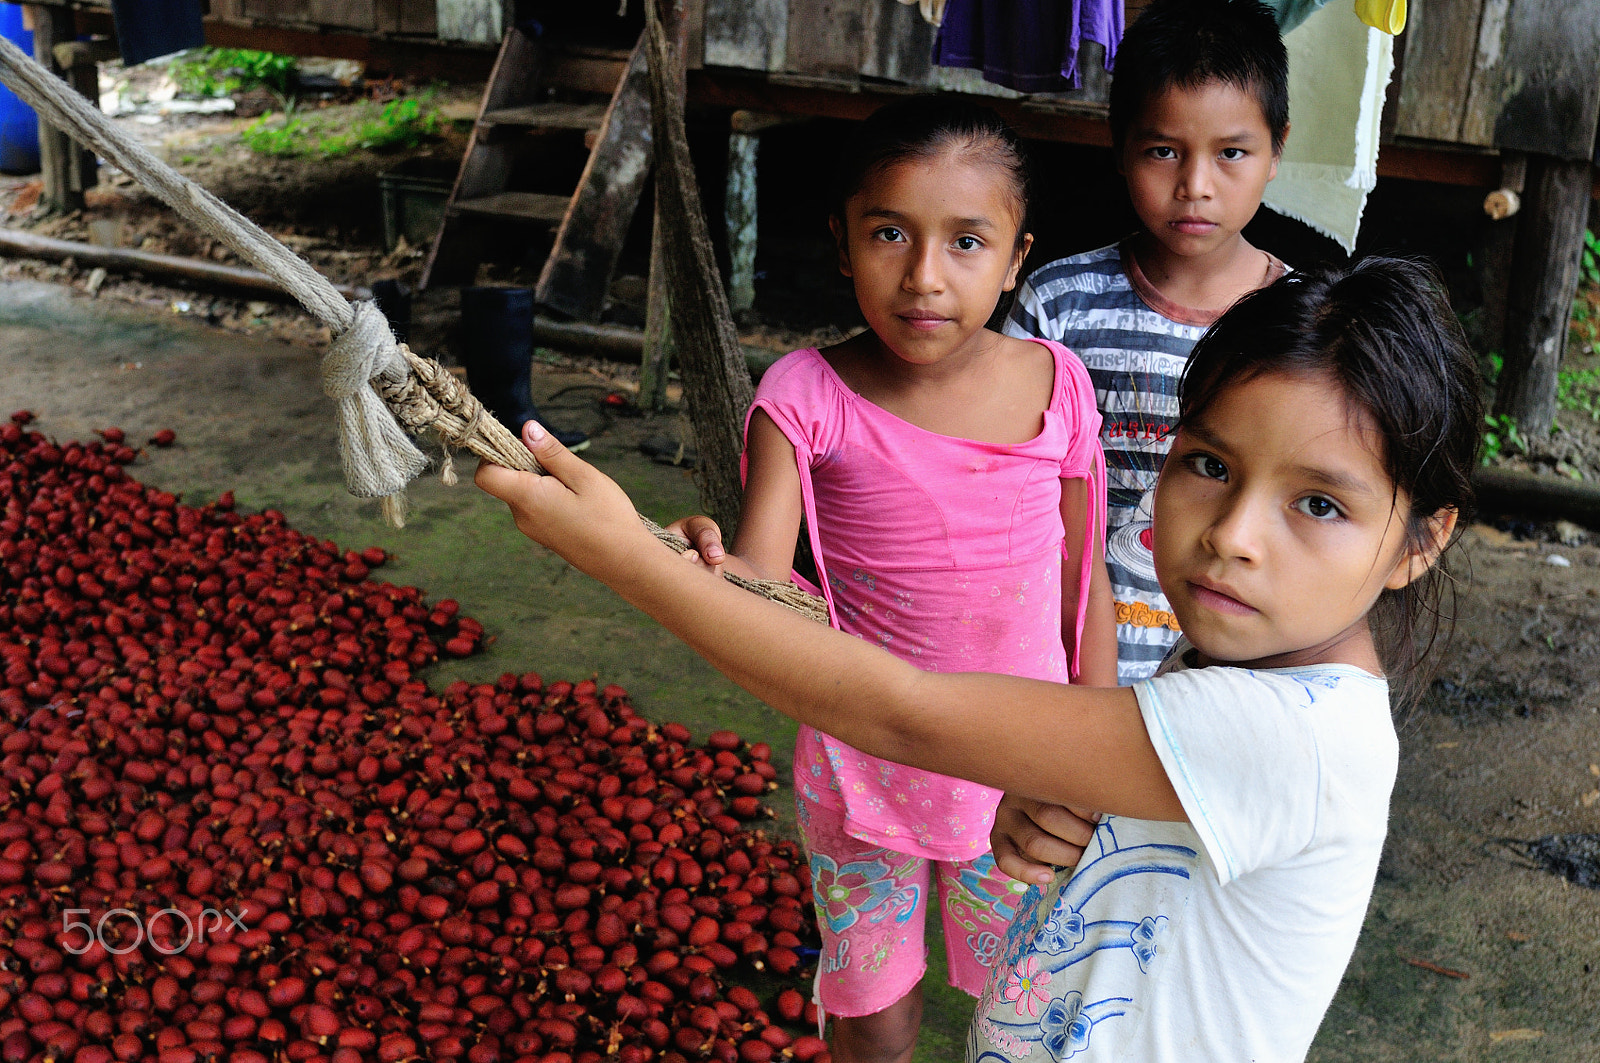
(1221,939)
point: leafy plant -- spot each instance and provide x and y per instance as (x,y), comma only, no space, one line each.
(1579,389)
(1589,262)
(221,71)
(1500,438)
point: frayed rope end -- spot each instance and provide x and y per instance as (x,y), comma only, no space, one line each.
(394,509)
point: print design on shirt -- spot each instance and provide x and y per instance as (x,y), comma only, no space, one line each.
(1066,937)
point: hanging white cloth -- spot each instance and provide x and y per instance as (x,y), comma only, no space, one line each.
(1339,70)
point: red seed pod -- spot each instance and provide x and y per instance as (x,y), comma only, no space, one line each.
(287,992)
(790,1005)
(571,981)
(690,1040)
(782,960)
(703,932)
(396,1047)
(725,741)
(164,438)
(320,1021)
(756,1051)
(776,1036)
(357,1039)
(807,1048)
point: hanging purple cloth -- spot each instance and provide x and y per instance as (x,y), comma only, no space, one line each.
(1027,45)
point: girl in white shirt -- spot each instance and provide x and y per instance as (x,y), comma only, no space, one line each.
(1328,430)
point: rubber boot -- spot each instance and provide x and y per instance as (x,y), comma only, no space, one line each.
(394,301)
(497,350)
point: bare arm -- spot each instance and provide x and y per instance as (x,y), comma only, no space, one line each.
(1078,746)
(1097,651)
(769,516)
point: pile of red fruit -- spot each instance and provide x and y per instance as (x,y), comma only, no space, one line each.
(234,827)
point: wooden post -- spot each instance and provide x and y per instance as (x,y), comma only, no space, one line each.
(1495,253)
(716,379)
(656,359)
(739,207)
(66,169)
(1544,281)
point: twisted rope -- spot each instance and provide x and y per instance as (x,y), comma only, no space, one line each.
(383,391)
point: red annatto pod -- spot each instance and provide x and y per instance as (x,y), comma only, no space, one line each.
(208,710)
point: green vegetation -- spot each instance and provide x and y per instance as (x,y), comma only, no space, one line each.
(1589,263)
(1579,390)
(403,123)
(222,71)
(1500,438)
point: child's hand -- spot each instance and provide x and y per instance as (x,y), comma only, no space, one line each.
(576,510)
(1032,839)
(705,541)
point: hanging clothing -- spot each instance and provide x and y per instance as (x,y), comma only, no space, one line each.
(1339,70)
(147,29)
(1027,45)
(1386,15)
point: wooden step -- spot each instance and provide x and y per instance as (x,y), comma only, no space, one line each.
(525,206)
(541,116)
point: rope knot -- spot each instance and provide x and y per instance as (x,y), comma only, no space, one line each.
(379,458)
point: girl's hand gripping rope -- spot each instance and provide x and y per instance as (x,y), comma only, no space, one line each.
(576,510)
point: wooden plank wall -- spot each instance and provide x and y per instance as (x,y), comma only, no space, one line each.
(1515,74)
(836,43)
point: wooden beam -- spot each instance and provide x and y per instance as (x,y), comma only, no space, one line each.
(21,244)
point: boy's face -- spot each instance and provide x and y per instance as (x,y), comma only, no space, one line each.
(1196,160)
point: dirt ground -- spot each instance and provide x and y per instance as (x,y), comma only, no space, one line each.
(1469,953)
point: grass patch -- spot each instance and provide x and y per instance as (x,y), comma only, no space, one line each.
(402,123)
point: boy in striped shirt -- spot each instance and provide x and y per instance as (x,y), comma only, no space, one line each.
(1199,114)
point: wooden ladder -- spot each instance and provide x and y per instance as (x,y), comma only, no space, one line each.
(591,223)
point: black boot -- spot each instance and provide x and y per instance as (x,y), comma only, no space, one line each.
(394,300)
(497,349)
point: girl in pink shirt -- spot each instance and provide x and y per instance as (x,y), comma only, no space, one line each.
(944,472)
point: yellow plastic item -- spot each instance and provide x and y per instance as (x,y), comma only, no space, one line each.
(1386,15)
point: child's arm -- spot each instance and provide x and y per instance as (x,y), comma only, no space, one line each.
(1079,746)
(769,517)
(1097,653)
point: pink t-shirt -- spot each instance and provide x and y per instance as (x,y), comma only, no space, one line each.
(947,552)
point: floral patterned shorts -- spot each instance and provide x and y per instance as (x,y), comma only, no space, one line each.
(871,903)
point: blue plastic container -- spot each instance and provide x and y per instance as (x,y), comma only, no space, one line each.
(19,126)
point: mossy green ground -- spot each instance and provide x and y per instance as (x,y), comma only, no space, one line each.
(251,418)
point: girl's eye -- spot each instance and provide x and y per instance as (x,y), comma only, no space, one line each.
(1208,466)
(1319,507)
(1232,154)
(888,234)
(968,243)
(1163,152)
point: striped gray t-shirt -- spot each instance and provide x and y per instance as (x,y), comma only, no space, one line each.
(1135,343)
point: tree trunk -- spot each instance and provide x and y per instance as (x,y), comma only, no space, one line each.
(716,383)
(1544,281)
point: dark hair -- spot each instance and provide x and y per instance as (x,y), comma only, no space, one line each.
(1187,43)
(922,127)
(1383,329)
